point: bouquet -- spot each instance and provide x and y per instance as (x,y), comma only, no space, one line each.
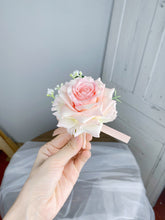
(83,105)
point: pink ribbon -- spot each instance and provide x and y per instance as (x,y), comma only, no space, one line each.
(116,134)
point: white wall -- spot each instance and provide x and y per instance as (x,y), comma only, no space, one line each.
(41,42)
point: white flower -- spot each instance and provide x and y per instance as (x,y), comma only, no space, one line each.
(58,86)
(76,73)
(50,92)
(83,105)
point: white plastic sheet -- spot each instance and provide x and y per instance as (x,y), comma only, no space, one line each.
(109,186)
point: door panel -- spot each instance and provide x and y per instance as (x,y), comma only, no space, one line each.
(135,65)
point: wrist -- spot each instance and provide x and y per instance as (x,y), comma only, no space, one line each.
(22,207)
(21,210)
(18,211)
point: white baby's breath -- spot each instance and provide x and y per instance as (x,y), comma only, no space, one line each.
(50,92)
(58,86)
(76,74)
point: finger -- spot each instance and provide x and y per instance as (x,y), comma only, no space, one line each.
(88,146)
(70,175)
(62,130)
(59,131)
(57,143)
(82,159)
(84,140)
(51,148)
(88,137)
(67,152)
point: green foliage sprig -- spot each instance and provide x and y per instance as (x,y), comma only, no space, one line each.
(116,97)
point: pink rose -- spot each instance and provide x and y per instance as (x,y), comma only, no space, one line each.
(83,105)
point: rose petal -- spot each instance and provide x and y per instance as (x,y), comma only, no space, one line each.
(110,114)
(63,95)
(107,97)
(85,116)
(67,122)
(93,127)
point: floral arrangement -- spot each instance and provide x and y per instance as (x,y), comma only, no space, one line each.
(83,105)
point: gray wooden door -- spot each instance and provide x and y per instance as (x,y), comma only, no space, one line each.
(135,65)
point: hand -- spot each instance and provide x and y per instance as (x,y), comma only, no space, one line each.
(52,177)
